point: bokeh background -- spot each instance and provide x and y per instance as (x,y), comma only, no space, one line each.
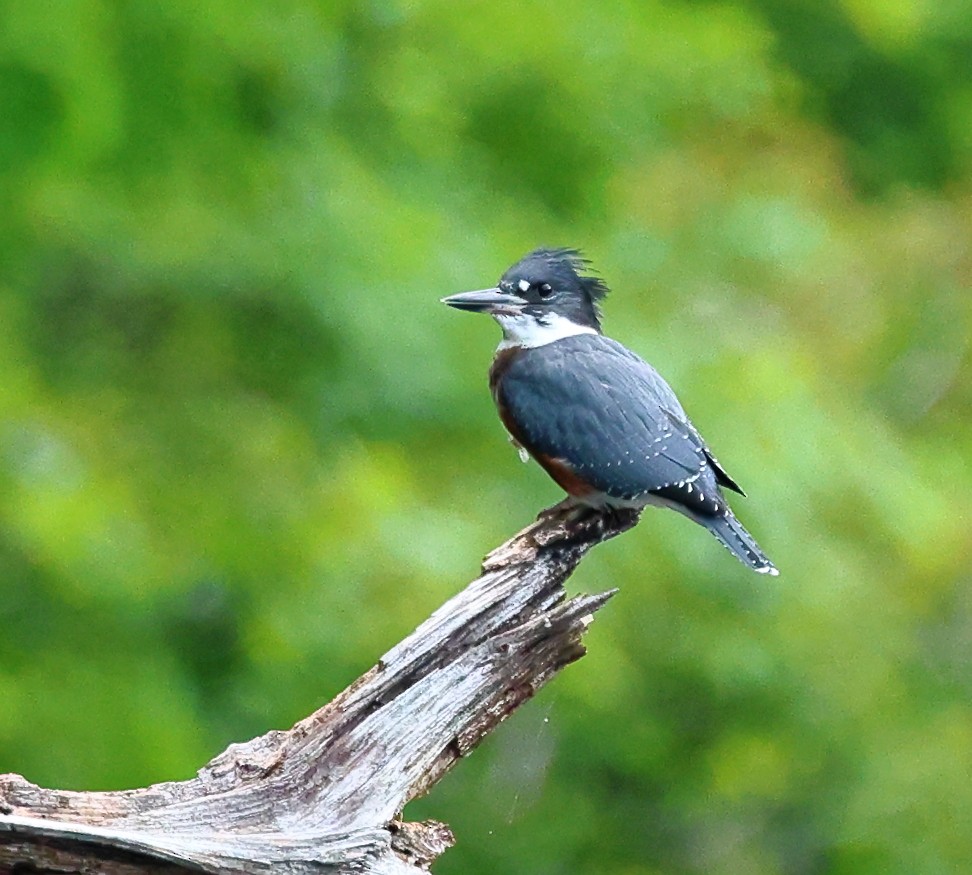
(244,450)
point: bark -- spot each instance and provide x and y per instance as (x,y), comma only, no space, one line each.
(327,795)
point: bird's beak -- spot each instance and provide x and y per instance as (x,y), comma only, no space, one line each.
(486,301)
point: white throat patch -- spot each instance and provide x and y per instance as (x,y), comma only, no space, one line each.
(529,331)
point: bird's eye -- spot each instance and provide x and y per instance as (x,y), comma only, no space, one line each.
(546,290)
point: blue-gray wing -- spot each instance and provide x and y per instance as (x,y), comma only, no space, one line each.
(593,405)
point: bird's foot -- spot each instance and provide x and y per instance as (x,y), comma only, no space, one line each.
(566,511)
(568,521)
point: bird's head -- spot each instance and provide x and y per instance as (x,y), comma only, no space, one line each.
(544,297)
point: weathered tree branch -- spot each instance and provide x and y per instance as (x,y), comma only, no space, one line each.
(325,795)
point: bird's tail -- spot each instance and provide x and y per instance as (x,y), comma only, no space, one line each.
(739,542)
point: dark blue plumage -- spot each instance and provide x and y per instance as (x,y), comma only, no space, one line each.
(588,400)
(599,419)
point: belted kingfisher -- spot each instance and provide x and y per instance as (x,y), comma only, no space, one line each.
(599,419)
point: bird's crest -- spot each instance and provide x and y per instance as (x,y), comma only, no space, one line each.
(564,258)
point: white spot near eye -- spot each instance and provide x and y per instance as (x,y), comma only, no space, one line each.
(524,285)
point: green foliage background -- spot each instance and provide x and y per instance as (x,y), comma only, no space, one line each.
(243,449)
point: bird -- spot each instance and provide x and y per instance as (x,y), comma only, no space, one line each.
(599,419)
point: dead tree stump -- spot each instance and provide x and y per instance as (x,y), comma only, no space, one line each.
(327,795)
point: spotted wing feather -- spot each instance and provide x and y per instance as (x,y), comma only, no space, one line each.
(610,417)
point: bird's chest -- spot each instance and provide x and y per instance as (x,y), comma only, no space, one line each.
(501,364)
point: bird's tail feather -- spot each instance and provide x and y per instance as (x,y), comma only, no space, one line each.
(740,543)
